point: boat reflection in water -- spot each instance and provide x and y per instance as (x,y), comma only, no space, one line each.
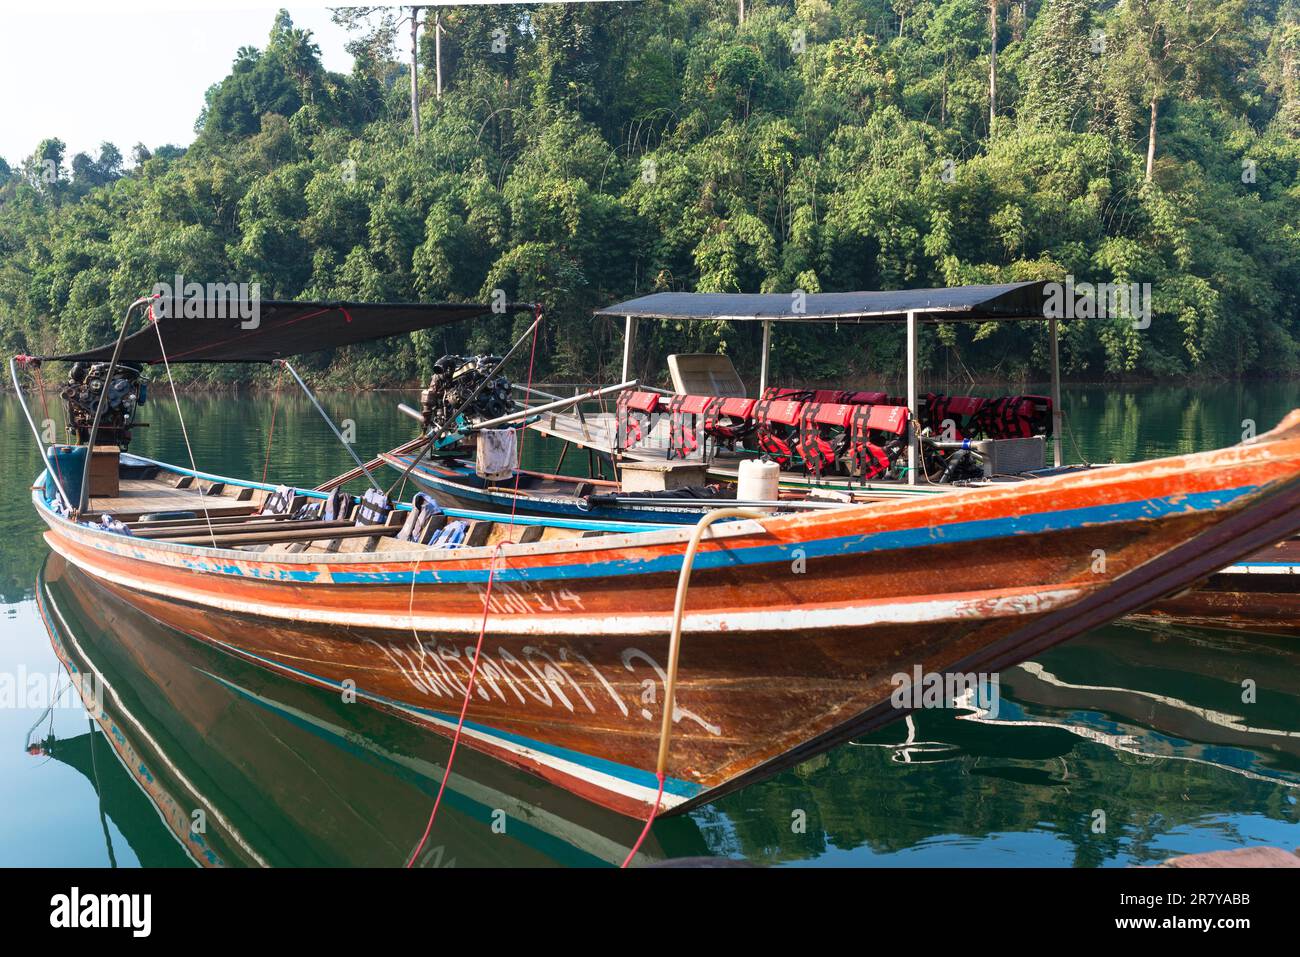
(280,773)
(1149,727)
(283,773)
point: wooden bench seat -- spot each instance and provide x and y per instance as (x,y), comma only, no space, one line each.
(200,529)
(231,539)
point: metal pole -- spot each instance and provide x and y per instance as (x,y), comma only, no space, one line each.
(629,342)
(330,422)
(1058,458)
(553,406)
(45,457)
(911,398)
(767,349)
(529,412)
(84,501)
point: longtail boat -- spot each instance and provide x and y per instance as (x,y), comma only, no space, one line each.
(796,627)
(826,440)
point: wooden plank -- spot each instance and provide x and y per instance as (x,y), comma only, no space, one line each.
(304,535)
(217,520)
(132,510)
(201,529)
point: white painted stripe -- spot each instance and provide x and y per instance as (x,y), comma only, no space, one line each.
(1003,604)
(1251,568)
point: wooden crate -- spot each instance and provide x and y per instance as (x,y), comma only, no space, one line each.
(104,472)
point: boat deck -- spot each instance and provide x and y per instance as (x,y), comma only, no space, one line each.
(137,497)
(227,516)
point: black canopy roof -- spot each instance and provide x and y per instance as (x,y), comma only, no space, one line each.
(1021,300)
(219,331)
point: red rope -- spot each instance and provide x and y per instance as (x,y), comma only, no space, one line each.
(651,819)
(482,631)
(464,707)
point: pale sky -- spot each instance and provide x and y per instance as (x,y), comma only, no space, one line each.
(132,72)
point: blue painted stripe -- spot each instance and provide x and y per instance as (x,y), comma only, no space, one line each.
(974,531)
(959,532)
(623,772)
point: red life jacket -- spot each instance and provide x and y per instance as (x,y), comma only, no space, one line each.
(777,422)
(739,416)
(684,411)
(823,434)
(869,460)
(633,409)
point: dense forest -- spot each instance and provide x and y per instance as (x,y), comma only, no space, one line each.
(580,154)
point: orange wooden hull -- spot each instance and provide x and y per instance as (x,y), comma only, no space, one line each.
(796,628)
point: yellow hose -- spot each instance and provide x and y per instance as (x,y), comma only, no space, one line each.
(679,607)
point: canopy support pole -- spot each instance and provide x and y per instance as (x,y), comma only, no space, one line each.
(40,444)
(629,343)
(767,351)
(1057,414)
(84,502)
(913,435)
(330,422)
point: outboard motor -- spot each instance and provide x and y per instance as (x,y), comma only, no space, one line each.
(454,380)
(127,391)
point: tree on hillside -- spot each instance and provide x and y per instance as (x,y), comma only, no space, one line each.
(1062,68)
(1177,49)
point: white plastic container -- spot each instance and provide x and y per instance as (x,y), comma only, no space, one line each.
(759,481)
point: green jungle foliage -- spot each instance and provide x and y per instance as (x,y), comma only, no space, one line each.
(581,154)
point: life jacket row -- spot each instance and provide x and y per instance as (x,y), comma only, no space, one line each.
(957,417)
(863,440)
(857,433)
(960,416)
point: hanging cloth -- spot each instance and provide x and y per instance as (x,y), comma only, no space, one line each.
(497,454)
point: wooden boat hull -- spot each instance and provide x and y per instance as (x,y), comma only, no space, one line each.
(1260,593)
(795,631)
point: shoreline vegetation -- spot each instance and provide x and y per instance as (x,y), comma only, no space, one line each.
(891,383)
(577,155)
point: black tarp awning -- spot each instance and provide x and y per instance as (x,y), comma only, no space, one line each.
(221,331)
(1021,300)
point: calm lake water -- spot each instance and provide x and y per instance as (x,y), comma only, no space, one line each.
(1123,747)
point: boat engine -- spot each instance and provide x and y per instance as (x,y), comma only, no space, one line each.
(454,380)
(127,390)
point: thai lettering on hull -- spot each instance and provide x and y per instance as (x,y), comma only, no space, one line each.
(534,677)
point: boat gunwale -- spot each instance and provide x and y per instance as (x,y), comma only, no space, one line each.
(1245,455)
